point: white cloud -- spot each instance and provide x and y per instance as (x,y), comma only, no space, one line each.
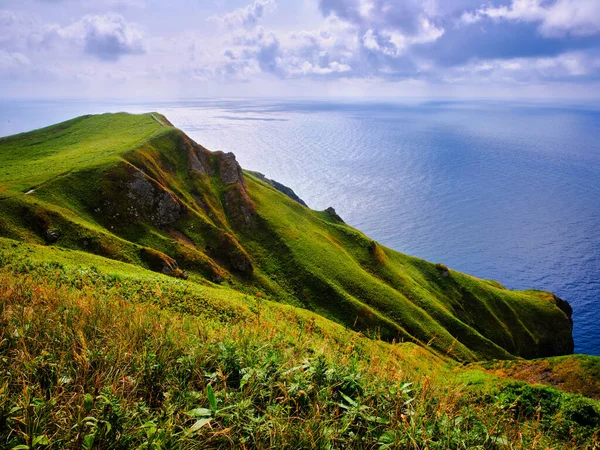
(13,60)
(106,37)
(297,67)
(247,17)
(386,40)
(394,44)
(328,50)
(104,4)
(575,17)
(565,65)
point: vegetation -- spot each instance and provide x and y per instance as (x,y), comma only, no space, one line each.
(156,189)
(92,359)
(31,159)
(154,296)
(578,374)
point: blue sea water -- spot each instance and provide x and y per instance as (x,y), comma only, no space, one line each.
(501,191)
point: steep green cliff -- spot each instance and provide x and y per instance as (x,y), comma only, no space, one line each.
(134,188)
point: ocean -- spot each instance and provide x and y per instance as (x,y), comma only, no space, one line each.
(498,190)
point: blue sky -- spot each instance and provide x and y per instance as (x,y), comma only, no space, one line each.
(154,49)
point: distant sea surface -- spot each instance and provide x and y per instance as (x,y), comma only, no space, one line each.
(501,191)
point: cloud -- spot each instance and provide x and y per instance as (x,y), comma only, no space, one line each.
(574,17)
(104,4)
(414,21)
(298,67)
(251,50)
(17,30)
(566,66)
(358,38)
(107,37)
(394,44)
(13,60)
(430,42)
(247,17)
(391,35)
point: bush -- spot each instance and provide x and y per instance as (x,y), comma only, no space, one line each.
(582,411)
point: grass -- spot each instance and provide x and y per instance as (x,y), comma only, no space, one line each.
(120,369)
(405,297)
(31,159)
(578,374)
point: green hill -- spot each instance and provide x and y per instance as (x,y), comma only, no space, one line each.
(135,189)
(142,268)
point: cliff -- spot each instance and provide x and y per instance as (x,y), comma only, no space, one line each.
(135,189)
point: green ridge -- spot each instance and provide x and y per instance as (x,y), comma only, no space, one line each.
(273,326)
(117,185)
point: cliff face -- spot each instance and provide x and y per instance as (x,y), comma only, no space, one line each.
(168,204)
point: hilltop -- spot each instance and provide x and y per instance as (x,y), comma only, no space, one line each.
(121,223)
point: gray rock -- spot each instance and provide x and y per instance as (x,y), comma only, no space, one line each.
(231,172)
(333,214)
(199,162)
(51,236)
(444,271)
(149,199)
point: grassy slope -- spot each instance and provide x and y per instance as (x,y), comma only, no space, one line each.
(301,257)
(31,159)
(578,374)
(487,320)
(129,357)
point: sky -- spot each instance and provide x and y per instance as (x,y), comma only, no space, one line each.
(181,49)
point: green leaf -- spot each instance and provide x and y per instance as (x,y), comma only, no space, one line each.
(21,447)
(348,399)
(88,441)
(40,440)
(199,424)
(88,402)
(389,437)
(377,420)
(200,412)
(500,440)
(210,393)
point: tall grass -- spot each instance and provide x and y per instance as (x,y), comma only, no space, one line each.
(81,367)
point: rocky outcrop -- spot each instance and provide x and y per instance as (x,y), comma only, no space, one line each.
(334,215)
(443,270)
(199,161)
(147,196)
(564,306)
(51,236)
(159,262)
(280,187)
(236,201)
(131,196)
(567,345)
(229,169)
